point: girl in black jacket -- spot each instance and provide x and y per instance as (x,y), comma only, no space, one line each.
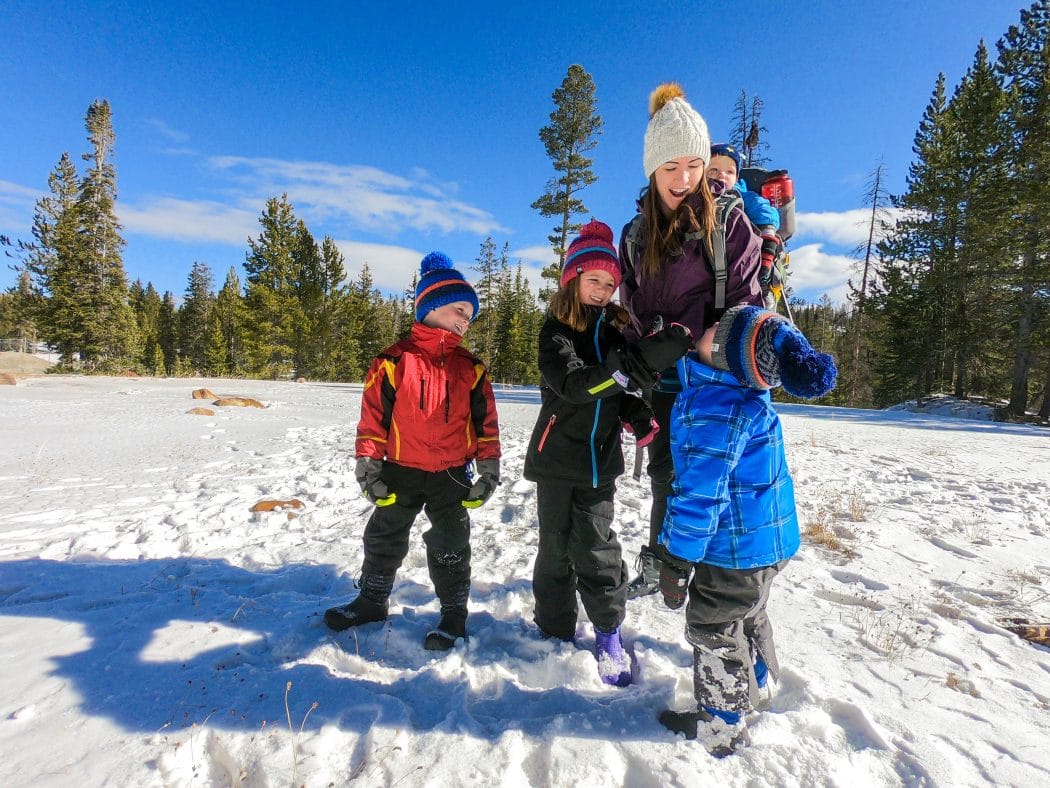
(592,382)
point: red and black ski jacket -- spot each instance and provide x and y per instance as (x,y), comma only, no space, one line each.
(428,404)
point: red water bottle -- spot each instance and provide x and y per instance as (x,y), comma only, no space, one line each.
(779,189)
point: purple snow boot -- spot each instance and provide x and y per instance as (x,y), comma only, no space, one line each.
(614,664)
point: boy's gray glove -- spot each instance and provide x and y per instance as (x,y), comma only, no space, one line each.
(367,473)
(486,484)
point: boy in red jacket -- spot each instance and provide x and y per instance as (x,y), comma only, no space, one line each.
(427,410)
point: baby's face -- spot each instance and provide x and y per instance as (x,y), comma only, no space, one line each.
(723,168)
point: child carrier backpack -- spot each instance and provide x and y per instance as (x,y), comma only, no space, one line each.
(777,187)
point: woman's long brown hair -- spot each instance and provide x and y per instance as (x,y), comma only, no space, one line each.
(566,308)
(663,235)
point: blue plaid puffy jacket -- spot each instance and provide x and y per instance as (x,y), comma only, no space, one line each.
(733,501)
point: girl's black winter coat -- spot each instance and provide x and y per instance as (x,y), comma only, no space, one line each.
(577,435)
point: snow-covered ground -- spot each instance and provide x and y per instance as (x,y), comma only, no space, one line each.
(154,631)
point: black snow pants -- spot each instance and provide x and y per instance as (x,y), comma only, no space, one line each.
(439,494)
(578,552)
(660,467)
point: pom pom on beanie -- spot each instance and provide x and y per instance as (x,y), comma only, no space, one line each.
(764,350)
(675,129)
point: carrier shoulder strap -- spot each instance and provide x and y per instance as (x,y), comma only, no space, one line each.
(631,249)
(724,204)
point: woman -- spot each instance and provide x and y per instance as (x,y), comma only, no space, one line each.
(666,252)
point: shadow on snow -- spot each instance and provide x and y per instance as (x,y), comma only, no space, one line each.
(137,613)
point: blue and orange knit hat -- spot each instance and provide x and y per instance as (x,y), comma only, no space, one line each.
(441,284)
(764,350)
(592,249)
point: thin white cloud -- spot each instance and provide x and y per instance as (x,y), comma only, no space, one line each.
(366,197)
(17,204)
(190,221)
(167,131)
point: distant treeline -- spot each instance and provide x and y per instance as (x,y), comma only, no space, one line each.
(951,293)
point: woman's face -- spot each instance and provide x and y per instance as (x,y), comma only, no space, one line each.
(596,287)
(677,179)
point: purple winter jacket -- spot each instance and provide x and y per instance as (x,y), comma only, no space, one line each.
(684,291)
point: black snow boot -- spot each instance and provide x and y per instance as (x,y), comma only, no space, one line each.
(721,737)
(451,627)
(648,580)
(371,604)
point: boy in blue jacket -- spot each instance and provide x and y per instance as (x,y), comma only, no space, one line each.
(731,524)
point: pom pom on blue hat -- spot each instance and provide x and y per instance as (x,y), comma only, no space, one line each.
(764,350)
(439,284)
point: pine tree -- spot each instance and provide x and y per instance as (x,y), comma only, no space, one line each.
(917,258)
(193,317)
(1024,63)
(168,333)
(332,294)
(53,263)
(106,321)
(490,266)
(227,330)
(274,312)
(572,132)
(975,322)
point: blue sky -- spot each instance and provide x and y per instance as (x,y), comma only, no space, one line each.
(406,130)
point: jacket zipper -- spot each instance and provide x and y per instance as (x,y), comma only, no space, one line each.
(597,405)
(448,400)
(422,389)
(546,432)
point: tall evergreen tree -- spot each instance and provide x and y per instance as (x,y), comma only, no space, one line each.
(108,330)
(273,306)
(168,333)
(227,329)
(572,133)
(53,262)
(1024,63)
(917,257)
(193,317)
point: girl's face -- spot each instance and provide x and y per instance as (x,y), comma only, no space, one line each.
(723,168)
(677,179)
(596,287)
(454,317)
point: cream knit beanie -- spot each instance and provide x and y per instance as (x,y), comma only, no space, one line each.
(675,129)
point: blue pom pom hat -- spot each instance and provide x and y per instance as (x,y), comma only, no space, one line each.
(764,350)
(441,284)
